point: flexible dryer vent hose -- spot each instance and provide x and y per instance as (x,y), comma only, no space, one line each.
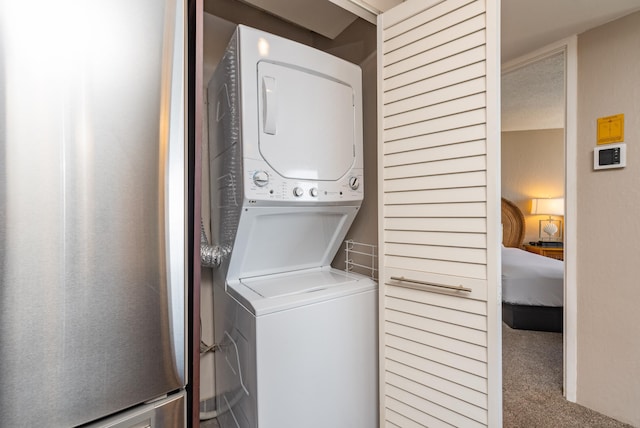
(210,255)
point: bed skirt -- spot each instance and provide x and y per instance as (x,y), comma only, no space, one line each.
(540,318)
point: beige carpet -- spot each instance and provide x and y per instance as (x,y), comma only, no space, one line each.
(532,384)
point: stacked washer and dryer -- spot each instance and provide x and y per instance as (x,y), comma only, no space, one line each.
(297,338)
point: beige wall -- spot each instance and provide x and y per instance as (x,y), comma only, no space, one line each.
(532,167)
(608,229)
(365,227)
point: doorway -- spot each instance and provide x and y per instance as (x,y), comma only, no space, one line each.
(567,50)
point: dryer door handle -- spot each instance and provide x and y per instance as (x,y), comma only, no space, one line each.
(269,105)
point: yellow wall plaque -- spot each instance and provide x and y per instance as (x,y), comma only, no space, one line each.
(611,129)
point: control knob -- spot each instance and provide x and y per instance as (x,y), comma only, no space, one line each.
(260,178)
(313,192)
(354,183)
(297,192)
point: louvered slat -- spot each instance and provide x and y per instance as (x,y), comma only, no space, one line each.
(436,32)
(431,154)
(444,181)
(454,316)
(438,341)
(412,386)
(443,138)
(440,327)
(450,374)
(440,56)
(460,105)
(447,166)
(463,240)
(465,118)
(476,398)
(429,409)
(407,87)
(463,210)
(432,10)
(437,96)
(437,266)
(410,417)
(433,252)
(467,194)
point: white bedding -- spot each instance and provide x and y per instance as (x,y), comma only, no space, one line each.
(531,279)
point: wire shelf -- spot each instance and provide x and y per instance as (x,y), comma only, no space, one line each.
(361,258)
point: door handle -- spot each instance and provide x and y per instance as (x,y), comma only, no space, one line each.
(269,105)
(423,285)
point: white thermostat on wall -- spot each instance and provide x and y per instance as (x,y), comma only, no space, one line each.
(610,156)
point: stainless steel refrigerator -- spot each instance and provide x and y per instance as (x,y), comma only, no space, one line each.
(92,213)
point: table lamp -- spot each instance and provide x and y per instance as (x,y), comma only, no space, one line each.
(549,227)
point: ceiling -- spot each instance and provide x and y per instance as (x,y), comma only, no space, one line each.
(533,95)
(530,24)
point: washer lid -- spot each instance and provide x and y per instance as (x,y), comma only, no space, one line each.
(294,290)
(307,123)
(297,283)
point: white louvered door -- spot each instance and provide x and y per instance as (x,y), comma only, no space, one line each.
(438,95)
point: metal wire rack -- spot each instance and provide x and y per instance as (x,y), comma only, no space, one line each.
(361,258)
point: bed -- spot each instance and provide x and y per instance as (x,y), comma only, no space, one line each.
(532,285)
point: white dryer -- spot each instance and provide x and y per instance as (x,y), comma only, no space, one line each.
(298,339)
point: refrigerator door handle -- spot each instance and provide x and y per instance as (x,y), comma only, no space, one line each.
(173,141)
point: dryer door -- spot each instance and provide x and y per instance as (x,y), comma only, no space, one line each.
(307,123)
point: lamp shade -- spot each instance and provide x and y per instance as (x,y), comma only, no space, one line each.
(552,206)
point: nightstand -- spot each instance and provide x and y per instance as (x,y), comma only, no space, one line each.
(553,252)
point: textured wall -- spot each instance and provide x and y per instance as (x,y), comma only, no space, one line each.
(532,167)
(608,229)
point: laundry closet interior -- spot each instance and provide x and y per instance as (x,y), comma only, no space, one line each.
(346,36)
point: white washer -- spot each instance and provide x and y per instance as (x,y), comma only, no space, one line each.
(303,347)
(298,339)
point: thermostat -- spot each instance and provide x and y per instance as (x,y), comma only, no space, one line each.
(610,156)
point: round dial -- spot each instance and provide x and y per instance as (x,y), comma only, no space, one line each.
(313,192)
(297,192)
(354,183)
(260,178)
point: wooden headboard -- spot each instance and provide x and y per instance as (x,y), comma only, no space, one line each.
(512,224)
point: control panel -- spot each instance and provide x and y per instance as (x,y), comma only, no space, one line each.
(264,184)
(610,156)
